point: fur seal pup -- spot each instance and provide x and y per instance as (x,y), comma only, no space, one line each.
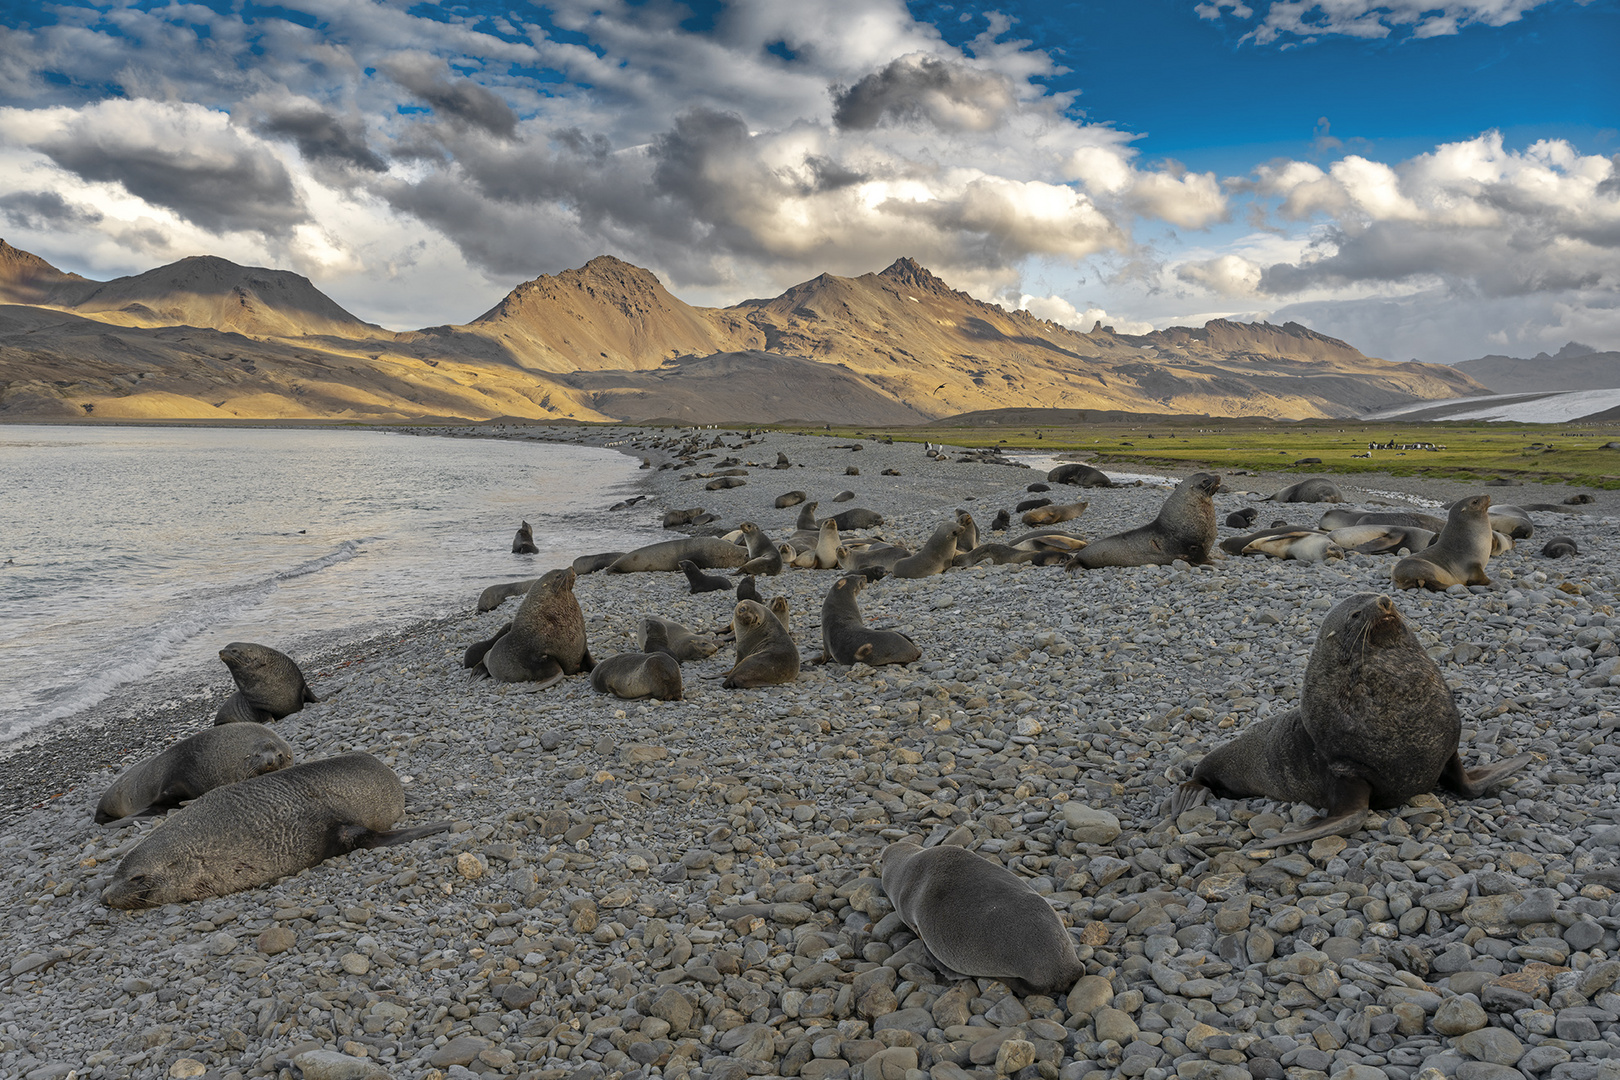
(935,555)
(766,654)
(1001,521)
(269,685)
(705,552)
(211,758)
(1055,514)
(523,542)
(496,595)
(590,564)
(748,589)
(1242,519)
(846,639)
(978,919)
(1559,547)
(251,833)
(1376,725)
(662,636)
(1079,476)
(1184,529)
(763,555)
(1037,487)
(970,531)
(1457,556)
(545,639)
(634,675)
(1314,490)
(701,582)
(791,498)
(807,518)
(1031,504)
(674,519)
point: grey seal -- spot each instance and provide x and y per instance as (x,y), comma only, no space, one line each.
(639,675)
(1457,556)
(1560,547)
(544,641)
(701,582)
(935,556)
(590,564)
(1314,490)
(978,919)
(1184,529)
(269,685)
(791,498)
(704,552)
(197,764)
(1054,514)
(1078,475)
(766,654)
(523,542)
(663,636)
(764,557)
(251,833)
(846,638)
(496,595)
(1376,725)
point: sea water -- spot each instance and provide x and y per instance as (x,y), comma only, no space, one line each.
(128,553)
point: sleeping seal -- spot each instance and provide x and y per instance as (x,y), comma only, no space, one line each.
(269,685)
(1314,490)
(212,758)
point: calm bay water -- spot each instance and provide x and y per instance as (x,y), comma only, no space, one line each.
(139,552)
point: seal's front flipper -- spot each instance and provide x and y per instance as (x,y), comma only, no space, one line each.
(351,837)
(1188,794)
(1474,783)
(1347,810)
(474,656)
(546,672)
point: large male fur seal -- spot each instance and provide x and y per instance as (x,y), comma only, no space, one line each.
(846,639)
(1184,529)
(765,651)
(266,827)
(705,552)
(211,758)
(523,542)
(1376,725)
(636,675)
(544,641)
(979,919)
(1457,556)
(269,685)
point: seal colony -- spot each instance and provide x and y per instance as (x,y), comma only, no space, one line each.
(737,836)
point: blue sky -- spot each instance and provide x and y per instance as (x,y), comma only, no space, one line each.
(1433,182)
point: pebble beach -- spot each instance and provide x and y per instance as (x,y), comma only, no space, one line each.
(688,890)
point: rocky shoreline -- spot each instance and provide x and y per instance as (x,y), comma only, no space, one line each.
(687,889)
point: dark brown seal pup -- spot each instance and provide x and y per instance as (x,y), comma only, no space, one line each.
(251,833)
(748,589)
(269,685)
(701,582)
(979,919)
(766,654)
(1184,529)
(523,542)
(1376,725)
(662,636)
(211,758)
(544,641)
(1457,556)
(1314,490)
(1560,547)
(1242,519)
(846,639)
(636,675)
(1000,521)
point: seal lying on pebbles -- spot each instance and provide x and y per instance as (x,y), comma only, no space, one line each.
(544,641)
(523,542)
(978,919)
(1339,519)
(1052,515)
(496,595)
(792,498)
(701,582)
(1376,725)
(662,636)
(634,675)
(766,654)
(1079,476)
(705,552)
(763,555)
(269,685)
(935,555)
(1314,490)
(1287,542)
(846,639)
(1242,519)
(209,759)
(590,564)
(1457,556)
(1184,529)
(1379,539)
(251,833)
(1560,547)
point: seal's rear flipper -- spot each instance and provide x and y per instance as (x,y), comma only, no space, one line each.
(1347,810)
(352,837)
(1474,783)
(1188,794)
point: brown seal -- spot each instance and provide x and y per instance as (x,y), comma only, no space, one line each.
(934,557)
(211,758)
(1242,519)
(663,636)
(496,595)
(1079,476)
(701,582)
(1376,725)
(250,833)
(846,639)
(764,557)
(269,684)
(544,641)
(634,675)
(590,564)
(1184,529)
(792,498)
(765,651)
(1457,556)
(705,552)
(1560,547)
(1314,490)
(523,542)
(978,919)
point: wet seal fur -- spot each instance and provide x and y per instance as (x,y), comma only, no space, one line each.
(544,641)
(636,675)
(1457,556)
(251,833)
(269,685)
(846,638)
(766,654)
(214,757)
(978,919)
(1376,725)
(523,542)
(1184,529)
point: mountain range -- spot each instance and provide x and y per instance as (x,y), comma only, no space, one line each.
(206,338)
(1574,367)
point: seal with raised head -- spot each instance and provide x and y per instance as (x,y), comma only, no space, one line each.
(523,542)
(212,758)
(705,552)
(766,654)
(764,557)
(934,557)
(1184,529)
(1376,724)
(544,641)
(978,919)
(251,833)
(1457,556)
(1079,475)
(663,636)
(970,532)
(496,595)
(846,638)
(634,675)
(807,518)
(701,582)
(269,685)
(1314,490)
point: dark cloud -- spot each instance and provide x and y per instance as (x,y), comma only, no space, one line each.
(460,101)
(42,210)
(320,136)
(920,88)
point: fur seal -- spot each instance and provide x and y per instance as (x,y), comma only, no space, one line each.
(763,555)
(1000,522)
(1289,542)
(211,758)
(970,531)
(1242,519)
(545,639)
(1314,490)
(846,639)
(1559,547)
(1407,519)
(748,589)
(724,482)
(701,582)
(1457,556)
(251,833)
(674,519)
(997,554)
(978,919)
(523,542)
(496,595)
(1038,486)
(590,564)
(1053,515)
(766,654)
(635,675)
(935,555)
(269,685)
(1031,504)
(843,496)
(1580,499)
(662,636)
(1376,725)
(807,518)
(705,552)
(858,518)
(1184,529)
(1381,539)
(1079,476)
(792,498)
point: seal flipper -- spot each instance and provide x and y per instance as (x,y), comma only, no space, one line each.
(1349,801)
(349,837)
(309,695)
(1188,794)
(239,708)
(1474,783)
(932,960)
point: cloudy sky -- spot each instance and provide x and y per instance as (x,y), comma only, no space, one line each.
(1436,179)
